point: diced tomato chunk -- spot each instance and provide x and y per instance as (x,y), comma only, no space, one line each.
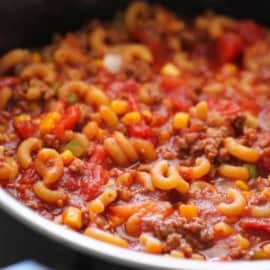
(132,103)
(249,31)
(181,98)
(256,225)
(90,185)
(229,47)
(141,131)
(171,82)
(69,119)
(99,155)
(224,107)
(25,129)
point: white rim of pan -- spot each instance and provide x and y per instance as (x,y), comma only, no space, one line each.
(109,252)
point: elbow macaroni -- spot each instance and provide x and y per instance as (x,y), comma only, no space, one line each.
(240,151)
(47,195)
(25,150)
(166,177)
(234,172)
(13,58)
(106,237)
(236,207)
(98,205)
(49,164)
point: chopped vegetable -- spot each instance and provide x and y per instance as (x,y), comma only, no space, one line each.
(75,147)
(72,98)
(252,170)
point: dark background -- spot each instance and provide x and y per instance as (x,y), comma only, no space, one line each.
(30,23)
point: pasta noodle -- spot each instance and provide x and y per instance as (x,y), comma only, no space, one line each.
(43,71)
(151,244)
(134,12)
(242,152)
(234,172)
(166,177)
(49,165)
(102,201)
(25,150)
(47,195)
(13,58)
(106,237)
(236,207)
(8,169)
(120,149)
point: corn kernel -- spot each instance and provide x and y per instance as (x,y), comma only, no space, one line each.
(147,114)
(167,103)
(229,69)
(119,106)
(189,211)
(49,122)
(202,110)
(67,157)
(241,185)
(131,118)
(222,229)
(21,118)
(170,70)
(241,242)
(180,120)
(72,217)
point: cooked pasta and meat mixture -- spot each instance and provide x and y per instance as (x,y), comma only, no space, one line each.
(150,132)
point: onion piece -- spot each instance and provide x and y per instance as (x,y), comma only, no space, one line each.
(112,62)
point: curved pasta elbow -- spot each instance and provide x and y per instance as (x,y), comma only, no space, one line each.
(240,151)
(234,172)
(261,211)
(47,195)
(134,13)
(13,58)
(120,149)
(98,205)
(136,51)
(145,148)
(45,72)
(49,164)
(8,169)
(167,177)
(236,207)
(25,150)
(79,88)
(202,168)
(97,40)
